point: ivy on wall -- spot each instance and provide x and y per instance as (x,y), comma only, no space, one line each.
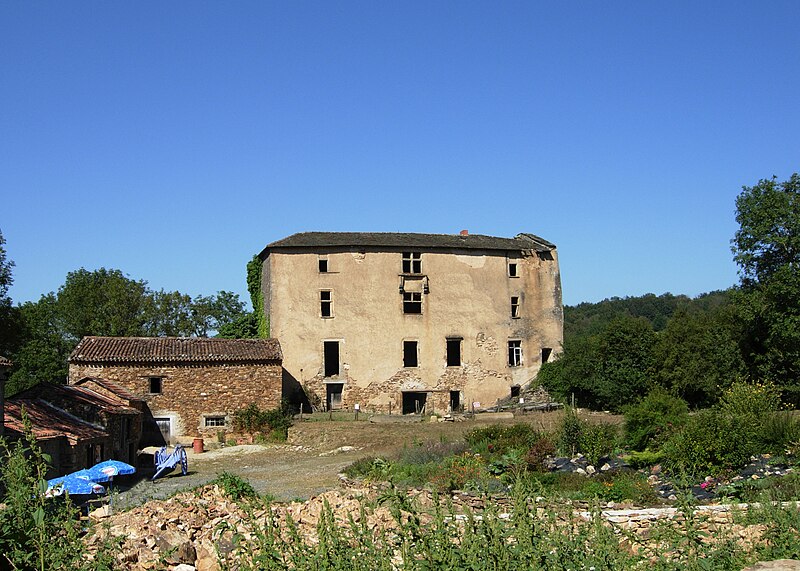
(254,268)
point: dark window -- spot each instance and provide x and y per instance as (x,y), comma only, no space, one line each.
(514,353)
(412,302)
(412,263)
(155,385)
(410,354)
(331,358)
(546,352)
(323,265)
(515,390)
(214,421)
(514,306)
(454,352)
(512,269)
(326,303)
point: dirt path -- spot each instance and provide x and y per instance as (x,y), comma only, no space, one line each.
(316,452)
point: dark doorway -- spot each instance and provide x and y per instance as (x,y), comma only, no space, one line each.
(414,402)
(454,352)
(331,357)
(515,390)
(455,401)
(333,399)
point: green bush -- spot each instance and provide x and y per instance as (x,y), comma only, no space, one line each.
(569,432)
(597,440)
(653,419)
(235,487)
(778,432)
(275,423)
(645,458)
(500,439)
(711,441)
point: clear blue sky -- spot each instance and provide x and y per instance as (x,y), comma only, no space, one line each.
(173,140)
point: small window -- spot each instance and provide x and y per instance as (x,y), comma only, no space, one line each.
(323,265)
(410,354)
(512,270)
(214,421)
(326,303)
(515,353)
(454,352)
(412,302)
(514,306)
(412,263)
(515,390)
(155,385)
(546,352)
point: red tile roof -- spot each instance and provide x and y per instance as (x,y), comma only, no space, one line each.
(48,421)
(175,350)
(111,387)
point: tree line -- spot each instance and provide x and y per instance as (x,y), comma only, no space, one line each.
(618,350)
(39,336)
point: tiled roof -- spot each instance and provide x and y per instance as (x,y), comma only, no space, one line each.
(111,387)
(62,395)
(175,350)
(48,421)
(406,240)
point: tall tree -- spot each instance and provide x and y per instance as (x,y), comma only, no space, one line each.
(102,302)
(9,316)
(767,249)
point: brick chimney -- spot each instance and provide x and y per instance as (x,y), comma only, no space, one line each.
(464,233)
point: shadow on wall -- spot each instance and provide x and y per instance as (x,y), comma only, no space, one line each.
(155,431)
(292,392)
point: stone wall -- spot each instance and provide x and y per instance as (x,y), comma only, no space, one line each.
(190,393)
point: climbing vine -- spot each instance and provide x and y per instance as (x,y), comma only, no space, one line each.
(254,268)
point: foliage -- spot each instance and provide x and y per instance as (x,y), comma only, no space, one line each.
(235,487)
(767,249)
(597,441)
(37,532)
(456,472)
(243,327)
(275,422)
(9,315)
(779,432)
(645,458)
(254,269)
(653,418)
(500,439)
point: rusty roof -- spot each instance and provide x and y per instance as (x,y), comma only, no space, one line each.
(48,421)
(394,240)
(58,394)
(175,350)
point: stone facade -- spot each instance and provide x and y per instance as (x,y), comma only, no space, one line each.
(189,393)
(412,322)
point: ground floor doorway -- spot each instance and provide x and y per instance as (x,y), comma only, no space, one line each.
(333,398)
(414,402)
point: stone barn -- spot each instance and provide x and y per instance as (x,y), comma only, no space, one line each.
(190,387)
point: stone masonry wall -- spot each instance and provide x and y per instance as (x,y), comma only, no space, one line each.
(189,394)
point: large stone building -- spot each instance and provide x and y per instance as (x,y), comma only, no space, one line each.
(406,322)
(190,386)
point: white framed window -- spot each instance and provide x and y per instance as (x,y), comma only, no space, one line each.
(514,306)
(326,303)
(412,263)
(513,269)
(214,421)
(515,353)
(322,263)
(412,302)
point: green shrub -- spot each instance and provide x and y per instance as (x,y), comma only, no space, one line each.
(778,432)
(235,487)
(371,467)
(645,458)
(597,440)
(711,441)
(620,486)
(500,439)
(569,432)
(653,419)
(275,423)
(537,453)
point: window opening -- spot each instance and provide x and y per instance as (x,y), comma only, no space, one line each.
(414,402)
(331,358)
(214,421)
(546,352)
(412,302)
(326,303)
(323,265)
(514,353)
(514,306)
(410,358)
(155,385)
(454,352)
(512,269)
(412,263)
(515,390)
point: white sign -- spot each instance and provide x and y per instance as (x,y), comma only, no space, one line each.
(521,400)
(357,406)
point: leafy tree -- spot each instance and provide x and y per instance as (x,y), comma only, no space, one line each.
(767,249)
(210,313)
(9,315)
(169,314)
(102,302)
(44,346)
(243,327)
(697,355)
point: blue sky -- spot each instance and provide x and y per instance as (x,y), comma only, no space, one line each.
(174,140)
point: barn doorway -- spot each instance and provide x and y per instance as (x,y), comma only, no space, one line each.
(333,397)
(455,401)
(414,402)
